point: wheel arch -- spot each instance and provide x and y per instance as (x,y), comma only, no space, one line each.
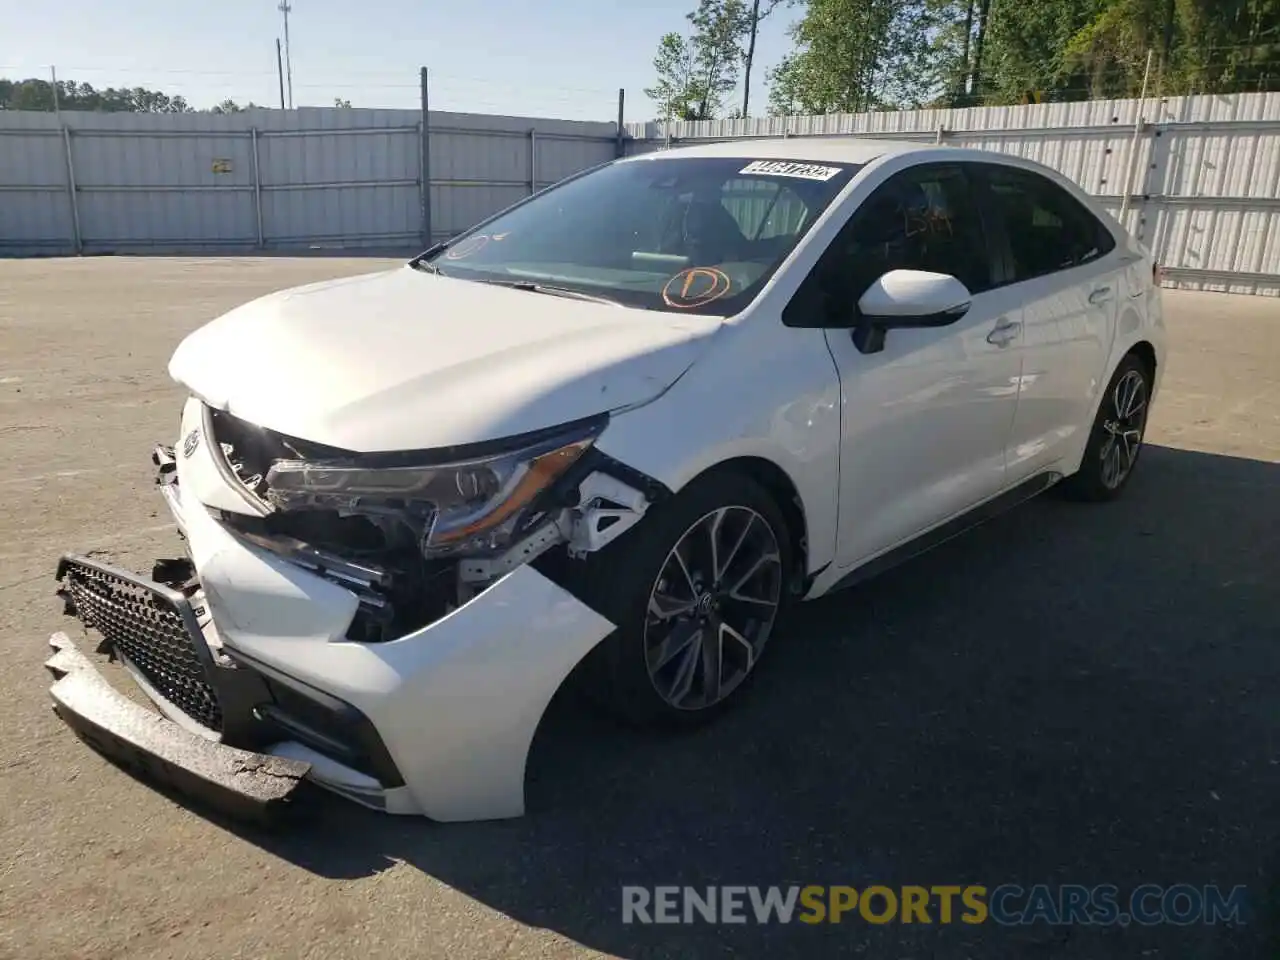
(1145,351)
(784,492)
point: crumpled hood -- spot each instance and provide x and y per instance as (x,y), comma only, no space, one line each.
(405,360)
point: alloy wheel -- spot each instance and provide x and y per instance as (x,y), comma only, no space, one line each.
(1123,428)
(712,607)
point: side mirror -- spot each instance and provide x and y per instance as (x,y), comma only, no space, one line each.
(908,298)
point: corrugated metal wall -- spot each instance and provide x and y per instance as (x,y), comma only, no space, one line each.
(1204,183)
(270,179)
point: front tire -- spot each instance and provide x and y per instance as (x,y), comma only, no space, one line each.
(1117,435)
(695,590)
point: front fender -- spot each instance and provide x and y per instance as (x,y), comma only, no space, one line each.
(771,393)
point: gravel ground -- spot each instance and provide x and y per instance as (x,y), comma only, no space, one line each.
(1067,695)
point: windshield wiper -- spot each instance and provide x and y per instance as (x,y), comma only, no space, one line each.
(420,262)
(552,291)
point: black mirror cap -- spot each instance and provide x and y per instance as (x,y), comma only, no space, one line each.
(942,318)
(869,332)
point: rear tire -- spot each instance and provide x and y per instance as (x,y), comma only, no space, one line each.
(1116,438)
(689,636)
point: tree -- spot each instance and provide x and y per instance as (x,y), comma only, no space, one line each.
(32,94)
(718,28)
(344,104)
(759,11)
(1026,47)
(697,72)
(853,55)
(873,54)
(1204,46)
(674,89)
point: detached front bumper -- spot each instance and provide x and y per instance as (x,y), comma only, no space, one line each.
(243,784)
(437,723)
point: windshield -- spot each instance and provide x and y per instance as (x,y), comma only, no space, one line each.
(699,234)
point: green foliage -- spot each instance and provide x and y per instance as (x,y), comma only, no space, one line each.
(718,29)
(856,55)
(674,91)
(34,94)
(853,55)
(38,95)
(696,73)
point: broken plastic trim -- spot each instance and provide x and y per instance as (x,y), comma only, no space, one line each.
(241,784)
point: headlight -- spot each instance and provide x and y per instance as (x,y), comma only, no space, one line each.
(467,506)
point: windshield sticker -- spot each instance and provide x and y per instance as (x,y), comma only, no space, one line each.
(789,168)
(467,247)
(695,287)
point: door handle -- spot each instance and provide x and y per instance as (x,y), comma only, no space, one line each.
(1100,296)
(1005,332)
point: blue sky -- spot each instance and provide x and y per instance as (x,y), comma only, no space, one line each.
(561,59)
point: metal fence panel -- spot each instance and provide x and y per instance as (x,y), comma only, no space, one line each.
(34,202)
(480,165)
(377,215)
(313,177)
(162,188)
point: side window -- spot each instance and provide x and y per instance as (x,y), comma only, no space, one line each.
(924,218)
(1048,229)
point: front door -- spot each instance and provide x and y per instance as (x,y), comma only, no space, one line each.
(926,420)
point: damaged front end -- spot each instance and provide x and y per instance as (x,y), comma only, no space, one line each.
(376,623)
(414,535)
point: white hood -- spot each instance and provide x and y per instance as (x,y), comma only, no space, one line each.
(405,360)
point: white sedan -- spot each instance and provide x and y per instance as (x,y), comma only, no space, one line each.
(611,432)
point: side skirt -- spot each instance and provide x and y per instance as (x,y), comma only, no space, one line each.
(979,515)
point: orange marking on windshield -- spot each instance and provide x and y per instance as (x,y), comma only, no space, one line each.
(467,247)
(697,286)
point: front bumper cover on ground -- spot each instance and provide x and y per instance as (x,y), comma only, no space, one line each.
(237,782)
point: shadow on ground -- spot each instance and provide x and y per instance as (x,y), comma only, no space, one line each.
(1070,694)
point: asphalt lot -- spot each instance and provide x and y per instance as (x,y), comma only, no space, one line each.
(1067,695)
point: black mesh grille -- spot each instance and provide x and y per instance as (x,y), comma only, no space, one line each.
(151,631)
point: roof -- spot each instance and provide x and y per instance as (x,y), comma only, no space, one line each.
(830,149)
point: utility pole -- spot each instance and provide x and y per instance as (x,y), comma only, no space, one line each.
(751,55)
(284,9)
(280,73)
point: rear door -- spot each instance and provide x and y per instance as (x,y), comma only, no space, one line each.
(1064,272)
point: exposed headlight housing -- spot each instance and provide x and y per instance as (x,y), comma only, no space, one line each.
(469,505)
